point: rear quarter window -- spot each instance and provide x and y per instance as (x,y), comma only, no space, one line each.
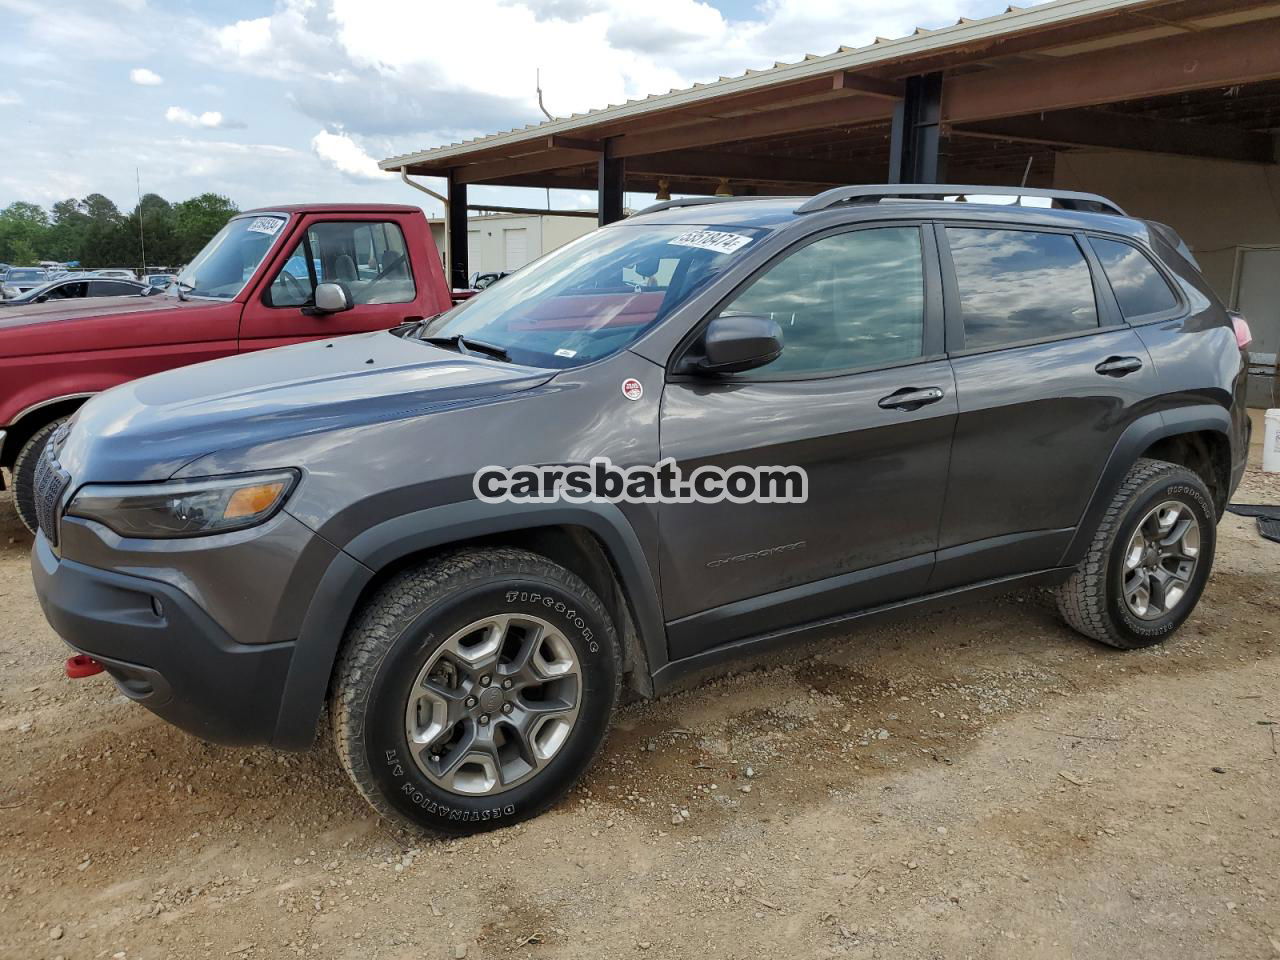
(1140,288)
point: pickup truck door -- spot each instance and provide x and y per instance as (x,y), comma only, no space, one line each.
(369,253)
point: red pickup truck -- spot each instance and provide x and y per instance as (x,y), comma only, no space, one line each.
(270,277)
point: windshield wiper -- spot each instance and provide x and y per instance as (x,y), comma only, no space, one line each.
(467,345)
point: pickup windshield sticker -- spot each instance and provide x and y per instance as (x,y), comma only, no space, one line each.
(714,240)
(268,225)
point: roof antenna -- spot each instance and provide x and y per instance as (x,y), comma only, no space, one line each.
(1027,172)
(541,107)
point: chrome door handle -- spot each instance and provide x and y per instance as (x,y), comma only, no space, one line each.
(1118,366)
(909,398)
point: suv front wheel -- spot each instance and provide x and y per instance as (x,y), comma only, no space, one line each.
(474,690)
(1149,559)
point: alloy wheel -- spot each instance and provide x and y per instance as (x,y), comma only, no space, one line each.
(493,704)
(1161,560)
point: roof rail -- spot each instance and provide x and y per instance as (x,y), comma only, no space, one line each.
(692,202)
(1067,199)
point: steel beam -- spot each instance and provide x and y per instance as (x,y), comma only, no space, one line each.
(610,175)
(914,139)
(1127,131)
(457,227)
(1199,60)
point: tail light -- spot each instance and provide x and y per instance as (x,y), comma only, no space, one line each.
(1244,336)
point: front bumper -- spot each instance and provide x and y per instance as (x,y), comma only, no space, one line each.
(163,650)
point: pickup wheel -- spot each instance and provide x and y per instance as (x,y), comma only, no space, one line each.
(1149,560)
(473,691)
(24,473)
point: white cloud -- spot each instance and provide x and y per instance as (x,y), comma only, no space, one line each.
(183,116)
(346,156)
(144,77)
(9,98)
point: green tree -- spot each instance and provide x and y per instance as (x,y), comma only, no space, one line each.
(197,220)
(155,218)
(66,235)
(23,228)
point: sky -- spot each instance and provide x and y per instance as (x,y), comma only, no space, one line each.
(277,101)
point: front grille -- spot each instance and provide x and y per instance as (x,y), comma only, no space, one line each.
(51,484)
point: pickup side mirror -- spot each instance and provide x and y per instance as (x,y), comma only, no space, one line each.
(331,298)
(739,342)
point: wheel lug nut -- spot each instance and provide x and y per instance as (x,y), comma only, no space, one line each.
(507,684)
(485,680)
(506,708)
(484,719)
(470,701)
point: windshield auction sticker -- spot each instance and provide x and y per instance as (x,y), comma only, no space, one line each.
(714,240)
(268,225)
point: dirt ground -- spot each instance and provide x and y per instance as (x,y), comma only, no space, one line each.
(981,783)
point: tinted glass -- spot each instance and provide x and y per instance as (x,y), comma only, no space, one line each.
(596,294)
(1137,284)
(850,300)
(1020,285)
(370,258)
(111,288)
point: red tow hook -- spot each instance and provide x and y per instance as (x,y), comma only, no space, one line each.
(82,666)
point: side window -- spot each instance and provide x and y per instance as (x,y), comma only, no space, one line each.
(369,257)
(1020,285)
(1139,288)
(110,288)
(849,300)
(68,291)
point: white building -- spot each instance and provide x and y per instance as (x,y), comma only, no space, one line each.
(502,242)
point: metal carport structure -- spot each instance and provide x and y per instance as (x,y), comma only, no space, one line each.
(999,100)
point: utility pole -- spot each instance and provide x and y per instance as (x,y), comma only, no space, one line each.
(142,233)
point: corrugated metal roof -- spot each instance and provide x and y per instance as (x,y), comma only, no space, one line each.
(882,49)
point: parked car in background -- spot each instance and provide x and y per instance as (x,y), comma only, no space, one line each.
(116,273)
(160,280)
(979,397)
(268,278)
(71,287)
(18,280)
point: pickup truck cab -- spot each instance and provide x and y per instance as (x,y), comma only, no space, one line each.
(270,277)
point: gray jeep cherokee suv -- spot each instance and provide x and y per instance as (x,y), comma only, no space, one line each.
(983,395)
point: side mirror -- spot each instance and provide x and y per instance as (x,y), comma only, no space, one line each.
(332,298)
(739,342)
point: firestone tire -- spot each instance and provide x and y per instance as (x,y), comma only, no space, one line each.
(24,473)
(1094,601)
(413,622)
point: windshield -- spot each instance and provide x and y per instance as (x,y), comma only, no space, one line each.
(231,258)
(22,276)
(592,297)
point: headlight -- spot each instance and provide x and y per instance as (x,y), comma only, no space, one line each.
(9,291)
(184,508)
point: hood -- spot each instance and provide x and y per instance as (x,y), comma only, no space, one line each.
(56,326)
(148,429)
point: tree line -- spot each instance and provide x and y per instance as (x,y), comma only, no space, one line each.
(95,232)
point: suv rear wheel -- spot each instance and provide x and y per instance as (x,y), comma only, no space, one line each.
(474,690)
(1149,559)
(24,473)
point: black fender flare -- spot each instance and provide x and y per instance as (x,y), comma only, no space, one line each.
(1136,438)
(368,553)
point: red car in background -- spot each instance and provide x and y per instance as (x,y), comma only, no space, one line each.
(270,277)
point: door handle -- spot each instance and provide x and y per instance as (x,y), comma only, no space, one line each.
(909,398)
(1118,366)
